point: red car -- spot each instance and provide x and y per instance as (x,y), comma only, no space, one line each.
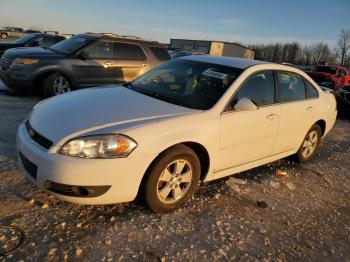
(335,76)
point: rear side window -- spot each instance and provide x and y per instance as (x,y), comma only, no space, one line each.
(129,52)
(311,91)
(259,88)
(291,87)
(46,41)
(160,53)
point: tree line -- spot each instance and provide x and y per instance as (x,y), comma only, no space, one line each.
(306,55)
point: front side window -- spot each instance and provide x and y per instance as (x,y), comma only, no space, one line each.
(43,41)
(129,52)
(291,87)
(191,84)
(100,49)
(259,88)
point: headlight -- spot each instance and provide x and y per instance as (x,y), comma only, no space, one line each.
(99,146)
(19,62)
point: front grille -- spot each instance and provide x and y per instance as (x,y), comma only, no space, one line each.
(29,166)
(44,142)
(6,62)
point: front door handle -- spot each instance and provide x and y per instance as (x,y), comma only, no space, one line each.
(271,116)
(108,64)
(310,108)
(144,64)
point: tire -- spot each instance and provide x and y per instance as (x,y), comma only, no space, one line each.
(161,188)
(309,142)
(55,84)
(4,36)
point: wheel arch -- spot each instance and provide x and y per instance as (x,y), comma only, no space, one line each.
(199,150)
(40,76)
(322,124)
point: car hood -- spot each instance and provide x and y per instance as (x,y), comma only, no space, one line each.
(98,110)
(5,45)
(31,52)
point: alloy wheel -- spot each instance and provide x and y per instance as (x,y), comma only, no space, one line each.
(309,144)
(174,181)
(61,85)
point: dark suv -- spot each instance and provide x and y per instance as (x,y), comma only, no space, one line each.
(81,61)
(32,40)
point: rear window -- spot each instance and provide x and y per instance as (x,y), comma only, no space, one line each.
(291,87)
(129,52)
(326,69)
(160,53)
(311,91)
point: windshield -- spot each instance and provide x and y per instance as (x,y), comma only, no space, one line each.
(191,84)
(71,45)
(24,39)
(326,69)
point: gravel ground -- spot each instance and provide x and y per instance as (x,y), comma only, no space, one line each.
(302,216)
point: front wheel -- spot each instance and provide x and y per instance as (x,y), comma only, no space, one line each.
(172,179)
(55,84)
(310,144)
(3,36)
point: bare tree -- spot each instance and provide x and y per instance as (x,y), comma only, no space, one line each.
(320,52)
(344,44)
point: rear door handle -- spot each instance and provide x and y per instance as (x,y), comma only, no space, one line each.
(144,64)
(310,108)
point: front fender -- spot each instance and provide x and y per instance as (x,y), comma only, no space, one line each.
(53,69)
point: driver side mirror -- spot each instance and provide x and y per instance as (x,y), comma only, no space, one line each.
(83,55)
(245,104)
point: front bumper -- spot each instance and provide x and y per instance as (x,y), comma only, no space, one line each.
(17,80)
(122,176)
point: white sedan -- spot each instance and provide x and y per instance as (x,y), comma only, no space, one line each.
(193,119)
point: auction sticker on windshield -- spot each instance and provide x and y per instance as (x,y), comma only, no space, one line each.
(215,74)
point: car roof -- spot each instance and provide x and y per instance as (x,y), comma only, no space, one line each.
(112,36)
(236,62)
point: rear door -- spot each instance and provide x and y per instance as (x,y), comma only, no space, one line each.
(296,111)
(100,65)
(132,61)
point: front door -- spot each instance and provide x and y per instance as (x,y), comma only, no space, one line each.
(247,136)
(100,65)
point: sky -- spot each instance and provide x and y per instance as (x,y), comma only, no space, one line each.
(245,21)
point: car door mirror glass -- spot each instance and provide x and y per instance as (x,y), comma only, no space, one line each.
(245,104)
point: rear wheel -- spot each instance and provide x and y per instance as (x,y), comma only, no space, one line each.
(3,35)
(172,179)
(310,144)
(55,84)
